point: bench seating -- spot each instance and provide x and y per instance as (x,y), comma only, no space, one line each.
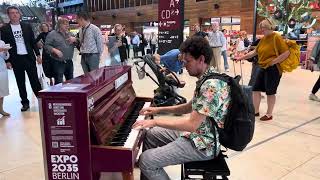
(216,168)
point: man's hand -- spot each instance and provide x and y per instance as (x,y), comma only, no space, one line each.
(142,124)
(40,45)
(72,40)
(149,111)
(5,49)
(57,52)
(9,66)
(39,60)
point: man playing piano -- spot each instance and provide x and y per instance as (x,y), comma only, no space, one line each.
(171,142)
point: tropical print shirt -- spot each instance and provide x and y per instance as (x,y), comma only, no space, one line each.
(212,101)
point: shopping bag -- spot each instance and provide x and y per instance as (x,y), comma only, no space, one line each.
(42,78)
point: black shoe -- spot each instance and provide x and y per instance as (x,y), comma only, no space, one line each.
(25,107)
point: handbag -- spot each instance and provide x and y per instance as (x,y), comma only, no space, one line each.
(42,78)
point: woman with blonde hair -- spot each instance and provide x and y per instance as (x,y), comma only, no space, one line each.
(46,58)
(269,76)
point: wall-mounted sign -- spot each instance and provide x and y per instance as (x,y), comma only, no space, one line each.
(170,24)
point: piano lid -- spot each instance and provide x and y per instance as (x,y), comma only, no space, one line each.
(93,81)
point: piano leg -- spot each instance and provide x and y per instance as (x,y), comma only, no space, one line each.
(95,175)
(127,175)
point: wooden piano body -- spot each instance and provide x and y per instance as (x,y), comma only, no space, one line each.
(85,125)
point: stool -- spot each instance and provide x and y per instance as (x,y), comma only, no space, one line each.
(216,168)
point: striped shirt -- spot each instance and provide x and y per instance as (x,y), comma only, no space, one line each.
(216,39)
(91,39)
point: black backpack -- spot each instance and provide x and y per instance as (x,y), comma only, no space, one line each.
(239,123)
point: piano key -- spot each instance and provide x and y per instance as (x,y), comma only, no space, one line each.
(134,132)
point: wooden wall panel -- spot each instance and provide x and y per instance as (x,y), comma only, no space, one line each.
(193,10)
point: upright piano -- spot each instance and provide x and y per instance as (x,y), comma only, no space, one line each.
(86,125)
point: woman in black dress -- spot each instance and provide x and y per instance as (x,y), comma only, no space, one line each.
(46,59)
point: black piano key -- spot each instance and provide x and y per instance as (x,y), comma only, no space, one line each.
(123,132)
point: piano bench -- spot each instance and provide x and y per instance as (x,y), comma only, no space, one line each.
(216,168)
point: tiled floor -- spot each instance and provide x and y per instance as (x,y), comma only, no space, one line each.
(287,148)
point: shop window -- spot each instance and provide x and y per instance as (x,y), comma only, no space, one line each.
(117,4)
(101,2)
(104,5)
(108,4)
(131,3)
(143,2)
(122,4)
(112,4)
(127,3)
(138,2)
(149,1)
(96,5)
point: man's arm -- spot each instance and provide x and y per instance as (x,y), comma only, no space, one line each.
(177,109)
(99,41)
(190,124)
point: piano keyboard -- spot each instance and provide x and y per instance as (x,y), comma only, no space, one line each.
(126,136)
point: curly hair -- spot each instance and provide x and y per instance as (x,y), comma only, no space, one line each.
(197,46)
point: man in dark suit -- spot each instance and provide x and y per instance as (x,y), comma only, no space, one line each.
(22,54)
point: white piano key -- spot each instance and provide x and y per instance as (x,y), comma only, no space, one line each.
(135,132)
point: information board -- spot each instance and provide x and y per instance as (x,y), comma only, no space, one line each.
(171,25)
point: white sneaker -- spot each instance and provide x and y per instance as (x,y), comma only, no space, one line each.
(227,70)
(313,97)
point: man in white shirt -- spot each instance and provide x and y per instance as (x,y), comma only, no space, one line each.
(22,58)
(216,40)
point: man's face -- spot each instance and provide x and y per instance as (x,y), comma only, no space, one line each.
(197,28)
(191,64)
(14,15)
(80,21)
(215,27)
(118,30)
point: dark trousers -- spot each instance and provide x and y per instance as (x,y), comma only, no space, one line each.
(128,51)
(153,48)
(316,86)
(142,49)
(61,68)
(135,50)
(22,64)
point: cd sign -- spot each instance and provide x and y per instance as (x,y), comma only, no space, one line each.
(170,24)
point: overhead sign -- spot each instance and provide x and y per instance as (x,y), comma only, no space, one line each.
(170,24)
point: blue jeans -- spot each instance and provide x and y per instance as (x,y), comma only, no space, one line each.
(61,68)
(163,147)
(225,59)
(90,62)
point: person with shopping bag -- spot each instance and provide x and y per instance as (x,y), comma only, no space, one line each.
(269,76)
(4,88)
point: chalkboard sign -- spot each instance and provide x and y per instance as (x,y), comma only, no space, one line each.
(171,25)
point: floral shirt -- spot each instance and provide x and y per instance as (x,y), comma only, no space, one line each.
(213,101)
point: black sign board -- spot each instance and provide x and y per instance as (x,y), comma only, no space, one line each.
(171,24)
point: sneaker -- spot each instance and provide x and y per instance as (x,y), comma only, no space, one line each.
(227,70)
(313,97)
